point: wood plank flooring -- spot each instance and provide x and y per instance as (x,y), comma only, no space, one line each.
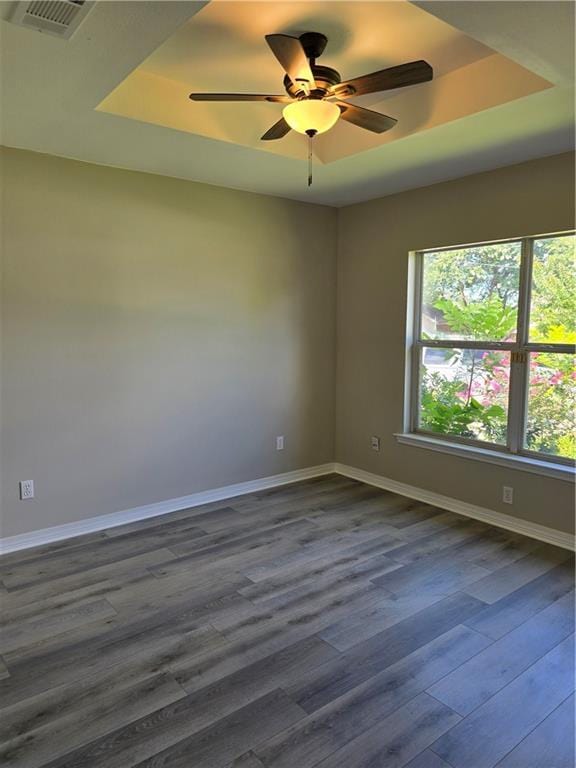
(324,624)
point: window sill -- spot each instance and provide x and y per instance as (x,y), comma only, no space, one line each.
(523,463)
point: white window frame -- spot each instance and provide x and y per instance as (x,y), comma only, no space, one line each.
(514,450)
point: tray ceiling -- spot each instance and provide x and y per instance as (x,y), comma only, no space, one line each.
(222,49)
(503,91)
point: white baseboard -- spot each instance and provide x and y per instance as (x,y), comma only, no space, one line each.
(515,524)
(114,519)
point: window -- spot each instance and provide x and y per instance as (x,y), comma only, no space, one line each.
(494,343)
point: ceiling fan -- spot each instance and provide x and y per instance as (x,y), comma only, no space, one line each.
(316,96)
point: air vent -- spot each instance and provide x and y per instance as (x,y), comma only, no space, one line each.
(55,17)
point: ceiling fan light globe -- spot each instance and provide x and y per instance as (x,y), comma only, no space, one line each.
(311,115)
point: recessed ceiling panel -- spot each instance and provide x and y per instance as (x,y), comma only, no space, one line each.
(222,49)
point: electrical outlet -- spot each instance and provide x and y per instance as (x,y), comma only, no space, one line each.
(280,443)
(26,489)
(507,494)
(375,443)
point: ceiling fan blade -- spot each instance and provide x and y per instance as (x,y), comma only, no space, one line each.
(290,53)
(284,99)
(278,131)
(386,79)
(366,118)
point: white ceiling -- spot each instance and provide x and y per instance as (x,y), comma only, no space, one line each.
(51,87)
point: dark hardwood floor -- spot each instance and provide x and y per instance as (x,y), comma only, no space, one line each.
(323,624)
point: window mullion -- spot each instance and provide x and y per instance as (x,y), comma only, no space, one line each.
(520,356)
(517,400)
(522,334)
(560,349)
(467,344)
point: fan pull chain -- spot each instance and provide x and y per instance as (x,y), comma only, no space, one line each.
(310,133)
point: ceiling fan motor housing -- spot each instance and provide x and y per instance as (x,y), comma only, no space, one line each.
(325,78)
(314,44)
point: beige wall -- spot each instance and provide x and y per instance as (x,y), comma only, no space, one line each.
(157,336)
(374,241)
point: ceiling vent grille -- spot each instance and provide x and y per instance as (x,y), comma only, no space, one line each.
(56,17)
